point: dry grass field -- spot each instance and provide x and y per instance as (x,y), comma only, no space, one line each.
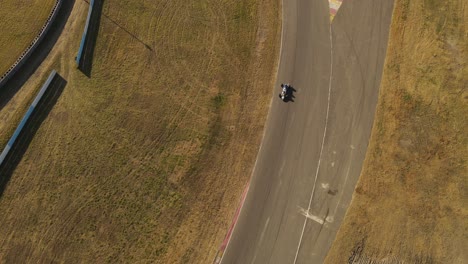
(20,22)
(145,161)
(411,202)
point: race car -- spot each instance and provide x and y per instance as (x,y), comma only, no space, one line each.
(284,92)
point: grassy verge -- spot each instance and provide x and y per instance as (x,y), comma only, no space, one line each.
(20,28)
(410,203)
(146,160)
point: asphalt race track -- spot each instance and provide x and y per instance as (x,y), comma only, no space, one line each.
(314,146)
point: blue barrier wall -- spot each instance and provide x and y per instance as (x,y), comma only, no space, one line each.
(27,52)
(26,117)
(85,33)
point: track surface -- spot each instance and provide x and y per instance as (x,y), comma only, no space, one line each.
(313,148)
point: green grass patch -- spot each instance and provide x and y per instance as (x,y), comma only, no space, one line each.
(218,101)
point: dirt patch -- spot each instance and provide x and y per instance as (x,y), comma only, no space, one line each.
(146,160)
(410,204)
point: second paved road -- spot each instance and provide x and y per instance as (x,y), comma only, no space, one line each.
(314,147)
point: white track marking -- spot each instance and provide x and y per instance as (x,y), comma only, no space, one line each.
(317,219)
(321,148)
(313,217)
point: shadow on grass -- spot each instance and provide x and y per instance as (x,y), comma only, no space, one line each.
(41,112)
(148,47)
(86,63)
(13,85)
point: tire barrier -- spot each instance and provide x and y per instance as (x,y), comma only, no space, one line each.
(85,33)
(26,116)
(32,46)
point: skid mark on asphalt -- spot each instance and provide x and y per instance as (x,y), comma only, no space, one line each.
(261,238)
(344,184)
(264,229)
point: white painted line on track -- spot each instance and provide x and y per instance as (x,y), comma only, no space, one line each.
(321,148)
(317,219)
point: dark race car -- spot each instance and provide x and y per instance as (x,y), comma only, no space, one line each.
(285,88)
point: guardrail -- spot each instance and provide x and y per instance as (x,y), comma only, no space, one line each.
(27,52)
(85,34)
(26,116)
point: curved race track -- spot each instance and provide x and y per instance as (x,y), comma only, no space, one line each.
(313,148)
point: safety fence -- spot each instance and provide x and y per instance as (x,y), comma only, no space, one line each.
(32,46)
(85,34)
(25,119)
